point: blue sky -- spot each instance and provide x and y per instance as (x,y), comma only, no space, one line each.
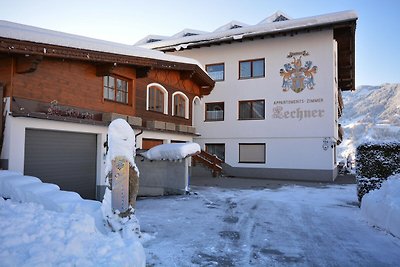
(127,21)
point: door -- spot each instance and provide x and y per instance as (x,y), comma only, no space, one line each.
(67,159)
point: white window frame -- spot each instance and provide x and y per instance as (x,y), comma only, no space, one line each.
(186,103)
(165,96)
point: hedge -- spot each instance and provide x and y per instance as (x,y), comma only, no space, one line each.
(374,164)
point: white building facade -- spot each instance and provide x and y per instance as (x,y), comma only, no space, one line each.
(274,110)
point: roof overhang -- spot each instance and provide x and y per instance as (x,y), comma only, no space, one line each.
(27,48)
(344,34)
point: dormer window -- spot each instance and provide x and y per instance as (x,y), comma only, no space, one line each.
(235,27)
(153,40)
(280,18)
(189,34)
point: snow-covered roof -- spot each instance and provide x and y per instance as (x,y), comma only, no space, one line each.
(277,25)
(234,24)
(39,35)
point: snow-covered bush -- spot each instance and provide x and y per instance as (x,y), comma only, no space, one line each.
(375,163)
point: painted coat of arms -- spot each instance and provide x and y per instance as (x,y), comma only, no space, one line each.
(297,76)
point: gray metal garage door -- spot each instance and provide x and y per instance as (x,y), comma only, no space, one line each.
(63,158)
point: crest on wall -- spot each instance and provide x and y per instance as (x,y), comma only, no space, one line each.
(297,76)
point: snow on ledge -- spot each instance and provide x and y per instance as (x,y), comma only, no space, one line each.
(24,188)
(381,206)
(175,151)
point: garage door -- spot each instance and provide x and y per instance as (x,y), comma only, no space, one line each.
(63,158)
(148,143)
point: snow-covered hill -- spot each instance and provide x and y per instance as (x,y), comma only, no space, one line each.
(371,113)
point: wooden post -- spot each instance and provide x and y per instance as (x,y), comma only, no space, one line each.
(133,186)
(120,184)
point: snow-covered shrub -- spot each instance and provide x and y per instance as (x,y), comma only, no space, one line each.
(375,163)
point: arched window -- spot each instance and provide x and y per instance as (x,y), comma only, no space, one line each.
(157,98)
(180,104)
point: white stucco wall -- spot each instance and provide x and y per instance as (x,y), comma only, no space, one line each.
(291,142)
(14,140)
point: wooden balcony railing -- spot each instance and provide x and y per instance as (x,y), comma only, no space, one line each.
(210,161)
(340,133)
(341,104)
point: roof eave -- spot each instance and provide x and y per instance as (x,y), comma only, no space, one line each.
(13,46)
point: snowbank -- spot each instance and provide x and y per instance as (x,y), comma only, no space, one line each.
(24,188)
(56,227)
(121,143)
(174,151)
(382,207)
(34,236)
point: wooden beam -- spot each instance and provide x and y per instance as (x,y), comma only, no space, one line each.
(142,72)
(27,63)
(186,75)
(105,69)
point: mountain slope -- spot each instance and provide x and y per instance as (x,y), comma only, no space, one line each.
(370,114)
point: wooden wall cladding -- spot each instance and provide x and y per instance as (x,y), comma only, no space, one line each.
(71,83)
(78,84)
(5,74)
(171,81)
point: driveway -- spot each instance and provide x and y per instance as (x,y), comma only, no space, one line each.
(287,226)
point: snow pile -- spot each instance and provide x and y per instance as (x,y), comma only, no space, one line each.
(175,151)
(382,207)
(31,189)
(371,114)
(34,236)
(121,143)
(128,226)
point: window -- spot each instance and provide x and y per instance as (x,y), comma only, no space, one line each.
(215,111)
(157,98)
(180,104)
(252,153)
(252,110)
(251,69)
(115,89)
(216,71)
(216,149)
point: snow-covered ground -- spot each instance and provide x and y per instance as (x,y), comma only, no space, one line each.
(290,226)
(293,225)
(370,114)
